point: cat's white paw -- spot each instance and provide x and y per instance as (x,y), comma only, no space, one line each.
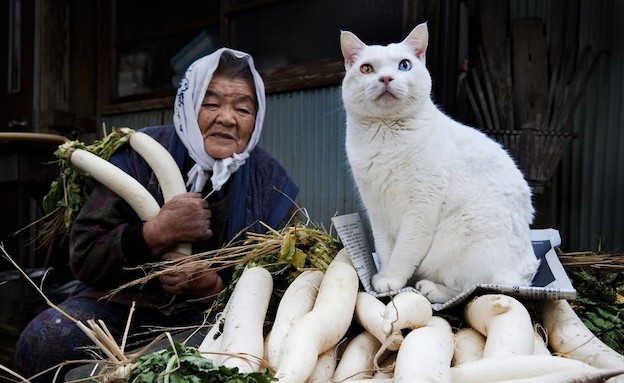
(382,283)
(434,292)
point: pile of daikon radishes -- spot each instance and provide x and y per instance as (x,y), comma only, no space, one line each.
(327,330)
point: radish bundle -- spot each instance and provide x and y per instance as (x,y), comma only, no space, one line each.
(330,346)
(71,188)
(323,327)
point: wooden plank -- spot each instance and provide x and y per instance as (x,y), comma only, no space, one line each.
(493,16)
(557,34)
(570,47)
(530,74)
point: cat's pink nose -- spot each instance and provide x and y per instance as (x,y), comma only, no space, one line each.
(385,79)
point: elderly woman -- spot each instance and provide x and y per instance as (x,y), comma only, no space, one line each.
(233,185)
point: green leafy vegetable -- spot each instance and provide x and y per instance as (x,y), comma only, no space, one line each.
(599,303)
(69,191)
(181,364)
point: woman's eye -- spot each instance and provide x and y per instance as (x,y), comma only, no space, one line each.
(366,69)
(405,65)
(209,105)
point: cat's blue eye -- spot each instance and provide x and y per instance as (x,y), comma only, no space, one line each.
(405,65)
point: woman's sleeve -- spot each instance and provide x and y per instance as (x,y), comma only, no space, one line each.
(106,237)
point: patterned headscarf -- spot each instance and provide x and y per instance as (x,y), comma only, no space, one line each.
(189,100)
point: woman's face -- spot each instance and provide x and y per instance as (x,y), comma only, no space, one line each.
(227,116)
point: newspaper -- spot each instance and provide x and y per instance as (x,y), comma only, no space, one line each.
(551,281)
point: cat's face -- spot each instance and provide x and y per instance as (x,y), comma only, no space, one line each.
(387,80)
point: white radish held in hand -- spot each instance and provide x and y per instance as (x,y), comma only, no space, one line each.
(164,167)
(120,182)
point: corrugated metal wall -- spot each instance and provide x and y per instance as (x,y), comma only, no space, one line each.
(305,130)
(591,175)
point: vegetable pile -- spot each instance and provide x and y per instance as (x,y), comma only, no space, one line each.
(295,313)
(599,280)
(327,330)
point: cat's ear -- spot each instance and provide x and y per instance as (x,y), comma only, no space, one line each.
(417,40)
(350,46)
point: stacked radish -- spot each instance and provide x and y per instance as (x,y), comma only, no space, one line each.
(339,333)
(326,330)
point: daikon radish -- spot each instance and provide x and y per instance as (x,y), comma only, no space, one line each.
(385,370)
(568,336)
(129,189)
(165,168)
(162,163)
(469,345)
(515,367)
(325,366)
(342,256)
(356,361)
(323,327)
(540,347)
(120,182)
(571,376)
(618,378)
(212,340)
(242,337)
(425,354)
(213,349)
(206,346)
(369,313)
(298,300)
(504,321)
(406,310)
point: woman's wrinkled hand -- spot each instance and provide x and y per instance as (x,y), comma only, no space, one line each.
(192,284)
(185,218)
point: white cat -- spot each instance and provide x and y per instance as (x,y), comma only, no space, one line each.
(448,206)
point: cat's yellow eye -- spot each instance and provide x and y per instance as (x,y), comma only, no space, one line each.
(367,68)
(405,65)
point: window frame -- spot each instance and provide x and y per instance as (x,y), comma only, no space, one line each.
(313,74)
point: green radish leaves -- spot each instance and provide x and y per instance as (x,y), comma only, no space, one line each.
(180,364)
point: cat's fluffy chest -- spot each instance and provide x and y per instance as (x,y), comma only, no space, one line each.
(396,163)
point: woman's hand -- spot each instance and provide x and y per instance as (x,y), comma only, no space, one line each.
(185,218)
(195,284)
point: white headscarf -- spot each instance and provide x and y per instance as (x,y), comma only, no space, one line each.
(189,100)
